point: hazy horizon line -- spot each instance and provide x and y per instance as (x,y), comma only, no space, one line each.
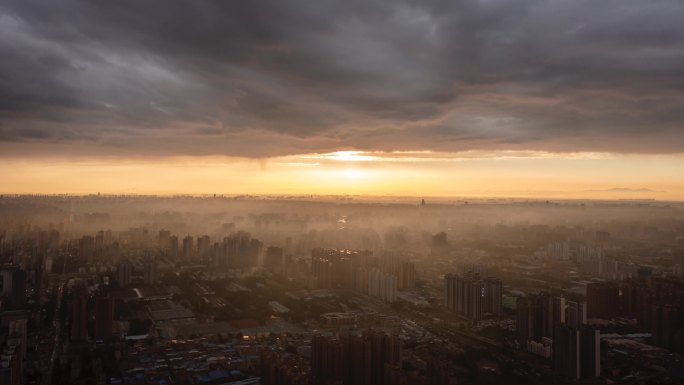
(310,196)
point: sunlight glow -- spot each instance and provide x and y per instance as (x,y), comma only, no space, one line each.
(580,175)
(353,173)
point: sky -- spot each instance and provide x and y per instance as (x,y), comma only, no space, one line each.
(523,98)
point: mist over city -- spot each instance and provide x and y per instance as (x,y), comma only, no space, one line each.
(341,289)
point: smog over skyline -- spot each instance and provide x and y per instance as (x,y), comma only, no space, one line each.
(341,192)
(537,99)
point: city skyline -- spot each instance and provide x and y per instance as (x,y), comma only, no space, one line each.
(138,289)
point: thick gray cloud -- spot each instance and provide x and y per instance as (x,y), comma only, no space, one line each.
(264,78)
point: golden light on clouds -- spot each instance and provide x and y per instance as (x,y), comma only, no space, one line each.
(433,156)
(346,156)
(389,100)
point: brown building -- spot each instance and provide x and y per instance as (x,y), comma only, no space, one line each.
(79,314)
(373,358)
(104,318)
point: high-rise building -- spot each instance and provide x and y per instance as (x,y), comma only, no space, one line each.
(150,275)
(322,269)
(471,296)
(19,278)
(590,352)
(164,240)
(655,302)
(407,275)
(667,326)
(603,300)
(173,246)
(576,313)
(13,284)
(125,273)
(79,314)
(188,247)
(273,258)
(373,358)
(558,250)
(493,296)
(587,253)
(382,285)
(240,251)
(539,314)
(559,305)
(86,248)
(19,287)
(525,319)
(385,350)
(566,352)
(203,246)
(326,361)
(335,268)
(577,352)
(104,318)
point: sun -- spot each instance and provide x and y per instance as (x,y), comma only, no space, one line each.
(354,173)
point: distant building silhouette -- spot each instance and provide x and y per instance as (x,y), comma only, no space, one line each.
(150,274)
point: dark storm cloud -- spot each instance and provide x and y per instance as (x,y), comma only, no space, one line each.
(263,78)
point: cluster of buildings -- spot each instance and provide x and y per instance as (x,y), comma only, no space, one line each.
(471,296)
(366,359)
(558,250)
(657,304)
(91,316)
(371,358)
(554,327)
(592,260)
(362,272)
(148,270)
(537,315)
(237,251)
(14,345)
(148,325)
(21,293)
(191,361)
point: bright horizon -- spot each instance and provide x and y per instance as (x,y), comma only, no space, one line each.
(528,174)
